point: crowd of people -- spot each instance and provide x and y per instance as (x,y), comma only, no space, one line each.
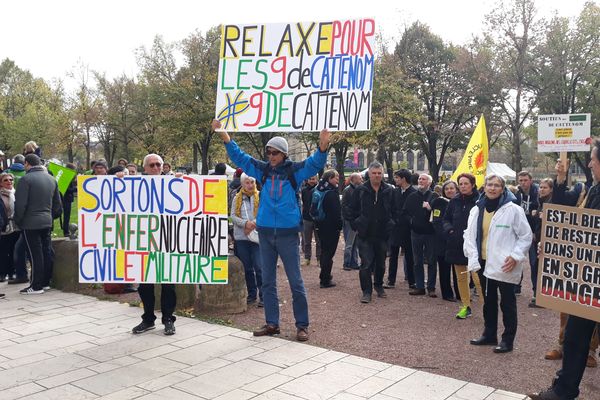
(454,237)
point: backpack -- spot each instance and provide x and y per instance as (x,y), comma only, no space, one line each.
(316,205)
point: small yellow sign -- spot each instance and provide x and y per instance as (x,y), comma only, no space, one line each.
(563,133)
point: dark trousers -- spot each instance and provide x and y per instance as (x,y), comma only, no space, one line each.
(508,305)
(329,242)
(422,245)
(66,216)
(39,244)
(7,254)
(533,262)
(576,346)
(409,270)
(445,278)
(168,300)
(20,256)
(249,254)
(372,253)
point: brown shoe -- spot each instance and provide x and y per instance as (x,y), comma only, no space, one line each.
(417,292)
(267,330)
(591,361)
(553,355)
(302,334)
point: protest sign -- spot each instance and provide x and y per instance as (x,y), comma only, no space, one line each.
(153,229)
(296,77)
(564,132)
(64,176)
(569,263)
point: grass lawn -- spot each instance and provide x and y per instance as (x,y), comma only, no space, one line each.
(56,229)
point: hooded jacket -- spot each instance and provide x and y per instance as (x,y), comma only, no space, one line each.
(332,208)
(18,171)
(509,235)
(279,209)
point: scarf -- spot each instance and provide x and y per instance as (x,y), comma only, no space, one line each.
(8,197)
(239,197)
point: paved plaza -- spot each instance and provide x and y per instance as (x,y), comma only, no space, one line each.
(69,346)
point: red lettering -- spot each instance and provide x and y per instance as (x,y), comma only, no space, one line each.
(281,71)
(193,186)
(83,242)
(336,33)
(127,266)
(258,106)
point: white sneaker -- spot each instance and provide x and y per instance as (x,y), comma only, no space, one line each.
(30,290)
(46,288)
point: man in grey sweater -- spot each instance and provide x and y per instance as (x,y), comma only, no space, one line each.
(37,203)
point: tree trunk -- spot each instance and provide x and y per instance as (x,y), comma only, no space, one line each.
(195,157)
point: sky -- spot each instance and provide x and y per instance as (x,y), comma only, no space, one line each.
(50,38)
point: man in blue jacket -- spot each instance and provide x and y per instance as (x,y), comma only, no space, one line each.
(279,221)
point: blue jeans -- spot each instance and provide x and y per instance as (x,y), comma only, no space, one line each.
(350,247)
(249,254)
(422,245)
(284,245)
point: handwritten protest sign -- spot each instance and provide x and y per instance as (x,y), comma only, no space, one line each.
(569,265)
(152,229)
(296,77)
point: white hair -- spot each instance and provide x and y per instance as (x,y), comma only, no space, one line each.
(428,177)
(243,177)
(152,155)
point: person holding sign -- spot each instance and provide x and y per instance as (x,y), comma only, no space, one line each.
(497,241)
(578,331)
(153,164)
(279,221)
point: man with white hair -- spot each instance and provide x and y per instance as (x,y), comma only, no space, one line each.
(153,164)
(418,209)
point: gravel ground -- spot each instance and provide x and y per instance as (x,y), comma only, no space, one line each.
(421,332)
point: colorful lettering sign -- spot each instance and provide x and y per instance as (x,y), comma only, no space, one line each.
(564,133)
(153,229)
(296,77)
(569,262)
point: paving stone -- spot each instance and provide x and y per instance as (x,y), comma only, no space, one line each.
(21,391)
(276,395)
(63,392)
(327,381)
(67,377)
(472,391)
(423,385)
(267,383)
(43,345)
(347,396)
(114,364)
(206,366)
(504,395)
(243,353)
(370,386)
(213,348)
(302,368)
(365,362)
(132,392)
(169,394)
(165,381)
(395,373)
(289,354)
(228,378)
(329,357)
(236,394)
(132,344)
(121,378)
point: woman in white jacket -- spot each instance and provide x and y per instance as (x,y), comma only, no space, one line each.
(496,243)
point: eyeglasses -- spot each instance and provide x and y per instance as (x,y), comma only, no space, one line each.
(273,152)
(154,165)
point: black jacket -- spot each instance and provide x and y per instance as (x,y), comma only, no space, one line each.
(364,199)
(347,201)
(418,215)
(438,209)
(402,222)
(306,195)
(455,222)
(333,211)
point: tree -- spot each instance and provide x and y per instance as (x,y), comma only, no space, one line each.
(514,35)
(429,65)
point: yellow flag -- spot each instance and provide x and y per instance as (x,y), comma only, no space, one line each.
(476,155)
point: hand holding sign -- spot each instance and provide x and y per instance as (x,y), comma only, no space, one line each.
(216,126)
(324,139)
(561,169)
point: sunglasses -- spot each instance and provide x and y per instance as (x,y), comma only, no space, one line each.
(7,180)
(154,165)
(273,152)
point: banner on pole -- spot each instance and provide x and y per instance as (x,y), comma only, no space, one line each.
(153,229)
(564,133)
(297,76)
(63,175)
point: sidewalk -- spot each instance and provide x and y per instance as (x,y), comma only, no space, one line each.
(69,346)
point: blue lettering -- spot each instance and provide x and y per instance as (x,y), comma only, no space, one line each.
(175,196)
(159,197)
(143,193)
(117,192)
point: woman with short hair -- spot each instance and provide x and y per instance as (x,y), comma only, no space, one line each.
(497,243)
